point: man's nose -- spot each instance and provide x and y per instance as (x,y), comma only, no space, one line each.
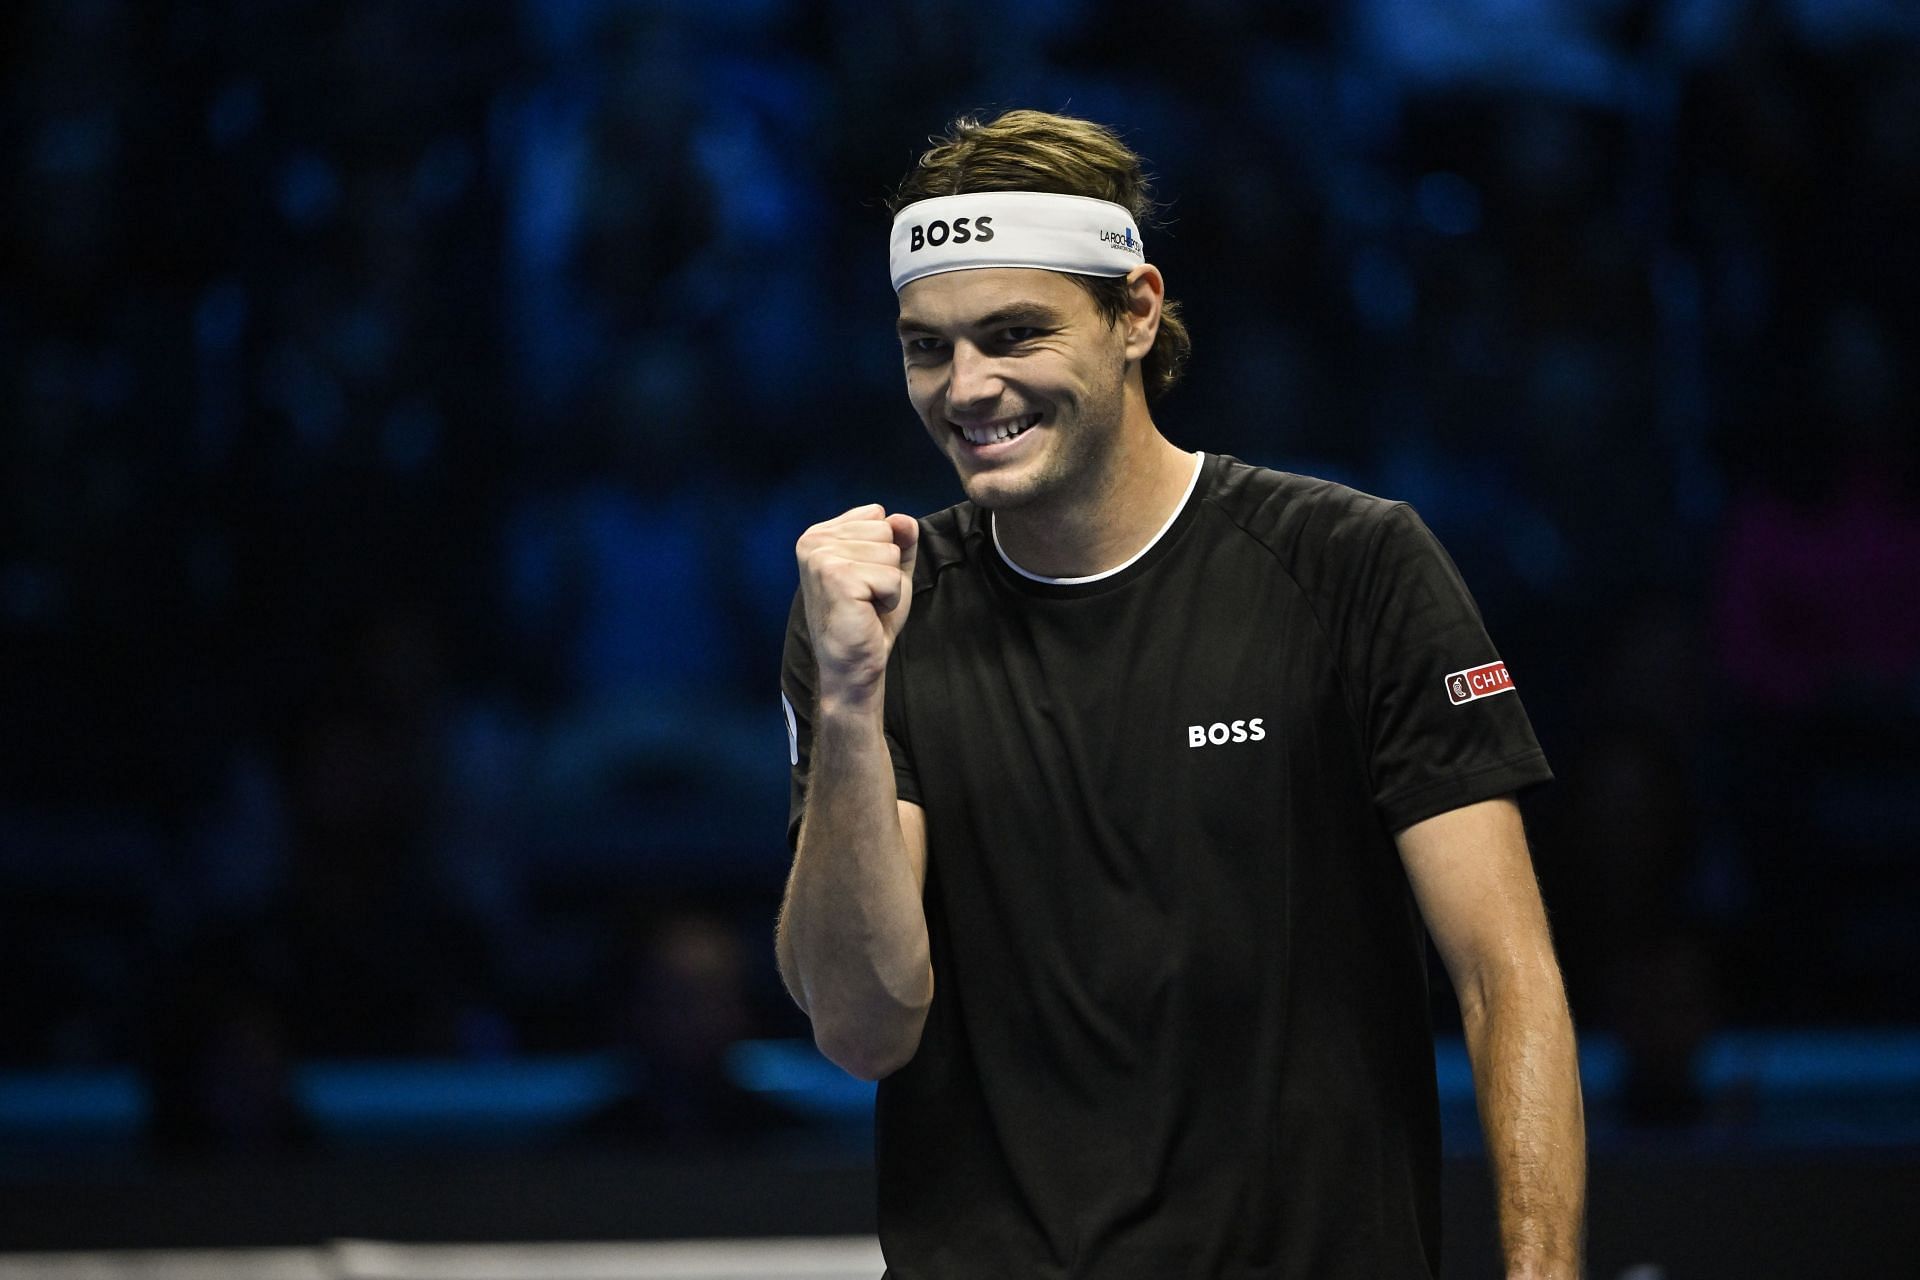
(973,378)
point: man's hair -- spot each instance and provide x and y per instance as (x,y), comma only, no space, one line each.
(1037,151)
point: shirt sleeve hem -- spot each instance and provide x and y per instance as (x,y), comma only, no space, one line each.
(1515,774)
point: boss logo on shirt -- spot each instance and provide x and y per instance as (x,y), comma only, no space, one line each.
(1478,682)
(1220,732)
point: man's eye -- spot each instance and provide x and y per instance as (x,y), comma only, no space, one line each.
(924,346)
(1020,333)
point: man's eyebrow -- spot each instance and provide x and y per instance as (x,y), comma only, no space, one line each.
(1019,313)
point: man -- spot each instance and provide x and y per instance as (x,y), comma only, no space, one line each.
(1122,788)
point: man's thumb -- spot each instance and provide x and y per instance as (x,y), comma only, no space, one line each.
(906,536)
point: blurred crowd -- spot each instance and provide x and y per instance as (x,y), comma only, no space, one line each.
(410,408)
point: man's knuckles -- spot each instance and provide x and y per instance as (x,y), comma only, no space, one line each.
(867,552)
(834,556)
(856,579)
(862,525)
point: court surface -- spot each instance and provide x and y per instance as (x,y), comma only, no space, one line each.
(836,1258)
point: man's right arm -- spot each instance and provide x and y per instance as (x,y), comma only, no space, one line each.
(851,940)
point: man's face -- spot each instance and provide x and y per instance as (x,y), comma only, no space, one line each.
(1018,378)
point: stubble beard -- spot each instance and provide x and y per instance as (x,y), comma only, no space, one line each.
(1075,463)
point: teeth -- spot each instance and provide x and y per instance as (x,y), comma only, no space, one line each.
(995,432)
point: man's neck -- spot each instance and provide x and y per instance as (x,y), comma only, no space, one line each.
(1108,524)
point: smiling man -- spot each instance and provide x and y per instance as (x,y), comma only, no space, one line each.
(1122,792)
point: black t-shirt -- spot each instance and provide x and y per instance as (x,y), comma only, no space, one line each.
(1180,1021)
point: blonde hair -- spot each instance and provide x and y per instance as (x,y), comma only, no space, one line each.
(1038,151)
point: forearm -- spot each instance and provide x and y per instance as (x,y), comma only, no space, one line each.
(852,936)
(1527,1078)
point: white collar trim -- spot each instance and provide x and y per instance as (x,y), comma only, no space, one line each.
(1199,461)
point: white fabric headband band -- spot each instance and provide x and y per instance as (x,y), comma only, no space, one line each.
(1082,236)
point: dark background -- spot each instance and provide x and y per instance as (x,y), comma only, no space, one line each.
(409,410)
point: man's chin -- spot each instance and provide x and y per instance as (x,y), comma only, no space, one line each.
(1005,484)
(995,491)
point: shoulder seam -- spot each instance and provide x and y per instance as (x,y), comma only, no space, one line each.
(1313,607)
(961,537)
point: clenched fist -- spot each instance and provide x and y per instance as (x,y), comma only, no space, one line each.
(856,582)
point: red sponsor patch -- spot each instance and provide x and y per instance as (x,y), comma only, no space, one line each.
(1478,682)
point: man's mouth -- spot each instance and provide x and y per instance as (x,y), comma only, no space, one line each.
(996,431)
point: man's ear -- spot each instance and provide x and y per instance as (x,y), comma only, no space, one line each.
(1146,292)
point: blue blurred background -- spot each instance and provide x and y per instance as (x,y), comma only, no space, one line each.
(409,410)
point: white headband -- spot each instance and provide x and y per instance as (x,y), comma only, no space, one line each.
(1082,236)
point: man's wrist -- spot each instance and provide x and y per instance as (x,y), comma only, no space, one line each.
(852,706)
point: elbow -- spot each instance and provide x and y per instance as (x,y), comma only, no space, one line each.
(872,1047)
(1529,991)
(867,1061)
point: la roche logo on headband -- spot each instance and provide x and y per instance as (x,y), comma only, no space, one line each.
(937,232)
(1121,240)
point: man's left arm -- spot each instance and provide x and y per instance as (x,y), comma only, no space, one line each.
(1474,881)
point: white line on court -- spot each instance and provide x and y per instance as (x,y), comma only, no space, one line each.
(834,1258)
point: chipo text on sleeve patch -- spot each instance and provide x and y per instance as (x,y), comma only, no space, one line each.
(1478,682)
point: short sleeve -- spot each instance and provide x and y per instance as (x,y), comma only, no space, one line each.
(799,678)
(1442,714)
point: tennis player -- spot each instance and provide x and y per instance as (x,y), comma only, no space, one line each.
(1126,791)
